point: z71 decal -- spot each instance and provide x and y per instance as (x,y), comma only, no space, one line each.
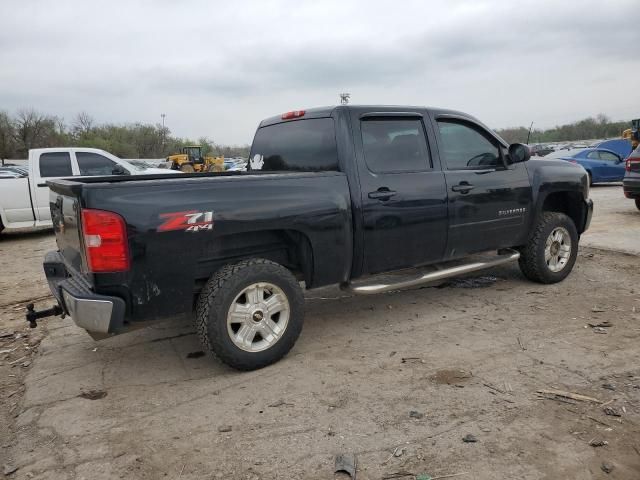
(191,221)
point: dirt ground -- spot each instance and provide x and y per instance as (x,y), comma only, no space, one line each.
(410,372)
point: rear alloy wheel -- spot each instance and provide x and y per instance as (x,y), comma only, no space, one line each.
(550,253)
(250,314)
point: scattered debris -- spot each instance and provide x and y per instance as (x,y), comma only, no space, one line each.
(25,364)
(196,354)
(521,344)
(9,469)
(571,395)
(346,463)
(469,438)
(599,330)
(608,386)
(605,324)
(598,310)
(8,350)
(493,387)
(93,394)
(412,360)
(6,334)
(280,403)
(403,474)
(612,412)
(598,442)
(225,428)
(416,414)
(606,467)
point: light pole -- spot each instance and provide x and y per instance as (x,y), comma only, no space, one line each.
(163,131)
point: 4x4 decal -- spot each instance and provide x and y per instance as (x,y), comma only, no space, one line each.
(191,221)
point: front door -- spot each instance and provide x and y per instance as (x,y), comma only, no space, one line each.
(403,194)
(489,200)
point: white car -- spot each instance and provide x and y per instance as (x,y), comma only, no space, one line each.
(24,200)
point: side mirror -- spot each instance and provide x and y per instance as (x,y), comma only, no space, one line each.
(119,170)
(519,153)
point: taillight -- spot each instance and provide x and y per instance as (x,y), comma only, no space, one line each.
(293,114)
(632,164)
(105,241)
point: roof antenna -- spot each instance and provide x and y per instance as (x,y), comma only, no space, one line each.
(529,134)
(344,98)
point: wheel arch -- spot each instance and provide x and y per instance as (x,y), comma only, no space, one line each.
(290,248)
(568,202)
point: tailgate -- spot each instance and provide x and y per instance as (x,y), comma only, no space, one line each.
(65,212)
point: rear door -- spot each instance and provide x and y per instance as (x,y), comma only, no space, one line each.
(403,193)
(489,200)
(50,165)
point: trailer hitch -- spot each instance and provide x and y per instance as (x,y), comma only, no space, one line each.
(32,315)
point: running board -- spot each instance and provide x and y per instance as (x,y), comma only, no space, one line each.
(504,256)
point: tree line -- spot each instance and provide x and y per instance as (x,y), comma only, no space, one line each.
(28,128)
(597,127)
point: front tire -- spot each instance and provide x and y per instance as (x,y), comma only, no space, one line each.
(250,314)
(550,253)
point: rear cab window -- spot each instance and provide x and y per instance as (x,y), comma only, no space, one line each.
(307,145)
(55,164)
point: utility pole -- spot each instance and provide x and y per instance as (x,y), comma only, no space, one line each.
(344,98)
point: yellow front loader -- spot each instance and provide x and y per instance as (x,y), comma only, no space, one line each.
(190,160)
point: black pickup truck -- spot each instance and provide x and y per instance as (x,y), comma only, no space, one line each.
(333,195)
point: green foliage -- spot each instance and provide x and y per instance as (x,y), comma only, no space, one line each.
(30,129)
(587,129)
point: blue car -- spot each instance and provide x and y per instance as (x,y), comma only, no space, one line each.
(601,164)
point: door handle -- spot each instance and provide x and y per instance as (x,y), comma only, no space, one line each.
(383,193)
(42,184)
(463,187)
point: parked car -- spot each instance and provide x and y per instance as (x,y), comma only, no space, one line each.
(332,195)
(631,181)
(24,199)
(602,165)
(540,150)
(22,171)
(620,146)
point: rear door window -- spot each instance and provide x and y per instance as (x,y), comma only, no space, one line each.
(296,146)
(55,164)
(392,145)
(94,164)
(608,156)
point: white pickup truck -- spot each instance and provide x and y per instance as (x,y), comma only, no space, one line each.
(24,200)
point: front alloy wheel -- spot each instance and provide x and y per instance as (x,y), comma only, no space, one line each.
(557,250)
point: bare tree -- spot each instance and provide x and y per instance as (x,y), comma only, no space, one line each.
(83,123)
(7,140)
(33,130)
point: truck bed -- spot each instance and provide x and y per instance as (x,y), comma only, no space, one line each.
(173,264)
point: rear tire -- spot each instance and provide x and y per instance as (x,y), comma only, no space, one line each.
(550,253)
(637,206)
(250,314)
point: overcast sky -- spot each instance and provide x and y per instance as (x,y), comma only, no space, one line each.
(217,68)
